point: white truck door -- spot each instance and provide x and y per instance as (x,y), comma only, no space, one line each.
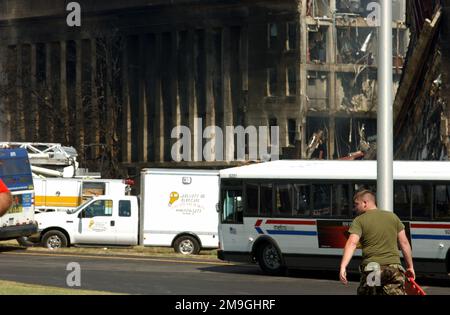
(97,223)
(127,221)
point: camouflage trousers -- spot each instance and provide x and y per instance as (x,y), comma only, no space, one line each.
(390,280)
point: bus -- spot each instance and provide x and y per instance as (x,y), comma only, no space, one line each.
(296,214)
(15,171)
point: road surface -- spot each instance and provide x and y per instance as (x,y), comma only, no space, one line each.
(173,276)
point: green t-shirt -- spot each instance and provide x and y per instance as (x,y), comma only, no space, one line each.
(378,230)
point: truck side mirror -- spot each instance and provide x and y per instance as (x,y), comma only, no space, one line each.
(218,207)
(81,214)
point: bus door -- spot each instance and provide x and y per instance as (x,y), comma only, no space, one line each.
(232,225)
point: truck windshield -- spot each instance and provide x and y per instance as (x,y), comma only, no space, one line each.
(70,211)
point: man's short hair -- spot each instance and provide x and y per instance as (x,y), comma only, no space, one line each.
(363,193)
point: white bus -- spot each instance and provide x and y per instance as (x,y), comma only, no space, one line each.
(296,214)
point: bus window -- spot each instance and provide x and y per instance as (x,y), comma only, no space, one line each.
(266,204)
(421,196)
(321,200)
(251,200)
(402,203)
(341,205)
(442,202)
(232,206)
(302,200)
(284,196)
(365,186)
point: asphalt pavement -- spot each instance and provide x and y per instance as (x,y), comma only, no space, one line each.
(173,276)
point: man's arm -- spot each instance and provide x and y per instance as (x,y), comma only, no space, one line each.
(349,250)
(5,202)
(407,253)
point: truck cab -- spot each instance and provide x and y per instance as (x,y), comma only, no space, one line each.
(105,220)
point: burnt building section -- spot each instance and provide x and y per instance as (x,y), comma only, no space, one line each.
(422,113)
(338,74)
(119,87)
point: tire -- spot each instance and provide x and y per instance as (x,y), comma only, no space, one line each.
(23,241)
(54,239)
(186,245)
(270,260)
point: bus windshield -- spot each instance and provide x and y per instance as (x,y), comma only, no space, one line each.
(15,170)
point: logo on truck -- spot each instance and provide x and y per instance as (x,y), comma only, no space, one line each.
(174,196)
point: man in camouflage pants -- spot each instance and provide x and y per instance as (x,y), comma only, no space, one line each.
(379,233)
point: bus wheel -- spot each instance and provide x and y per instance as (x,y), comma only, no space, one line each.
(186,245)
(270,260)
(54,239)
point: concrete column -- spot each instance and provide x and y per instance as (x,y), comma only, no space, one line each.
(79,110)
(159,113)
(210,102)
(303,48)
(227,99)
(5,113)
(109,89)
(33,86)
(175,97)
(243,57)
(149,86)
(49,120)
(332,86)
(64,109)
(192,51)
(142,119)
(20,122)
(126,119)
(94,127)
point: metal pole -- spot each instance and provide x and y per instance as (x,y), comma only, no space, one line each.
(385,185)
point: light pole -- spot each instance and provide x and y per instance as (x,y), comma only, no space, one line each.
(385,185)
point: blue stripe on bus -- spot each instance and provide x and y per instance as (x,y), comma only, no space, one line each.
(430,237)
(278,232)
(259,230)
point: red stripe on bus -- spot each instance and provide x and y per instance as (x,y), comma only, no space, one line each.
(291,222)
(430,226)
(258,223)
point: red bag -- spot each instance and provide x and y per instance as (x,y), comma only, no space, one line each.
(412,288)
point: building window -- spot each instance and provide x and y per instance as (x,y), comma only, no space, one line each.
(317,90)
(317,52)
(291,40)
(271,81)
(291,81)
(273,35)
(292,128)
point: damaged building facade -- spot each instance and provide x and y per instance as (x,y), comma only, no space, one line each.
(117,86)
(421,107)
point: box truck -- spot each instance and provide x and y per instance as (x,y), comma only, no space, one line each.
(176,208)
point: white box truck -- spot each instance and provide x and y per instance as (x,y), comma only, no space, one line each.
(177,209)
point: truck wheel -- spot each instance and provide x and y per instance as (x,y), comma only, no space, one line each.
(54,239)
(186,245)
(270,260)
(23,241)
